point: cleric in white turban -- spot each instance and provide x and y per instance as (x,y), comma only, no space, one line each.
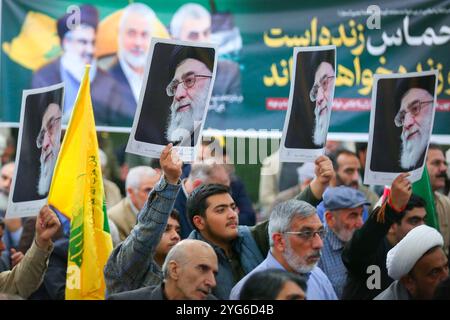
(418,264)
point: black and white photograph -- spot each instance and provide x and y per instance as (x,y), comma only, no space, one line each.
(37,150)
(401,122)
(310,101)
(175,97)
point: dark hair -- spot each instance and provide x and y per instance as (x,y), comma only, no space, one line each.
(175,214)
(196,203)
(338,153)
(360,146)
(181,53)
(434,146)
(414,201)
(267,284)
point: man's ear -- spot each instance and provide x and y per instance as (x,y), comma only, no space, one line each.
(196,183)
(174,270)
(199,222)
(329,218)
(279,243)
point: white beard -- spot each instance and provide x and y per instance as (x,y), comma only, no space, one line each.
(73,64)
(295,262)
(181,124)
(46,173)
(134,61)
(412,150)
(320,127)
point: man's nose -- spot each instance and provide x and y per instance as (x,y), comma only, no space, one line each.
(317,242)
(359,222)
(46,141)
(210,280)
(175,236)
(409,121)
(180,92)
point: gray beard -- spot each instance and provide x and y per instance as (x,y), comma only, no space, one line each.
(295,262)
(320,127)
(412,150)
(132,60)
(181,124)
(46,173)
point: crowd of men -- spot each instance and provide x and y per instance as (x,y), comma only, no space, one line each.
(180,237)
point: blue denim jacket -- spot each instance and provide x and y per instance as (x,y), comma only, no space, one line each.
(131,264)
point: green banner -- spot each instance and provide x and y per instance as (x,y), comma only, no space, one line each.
(258,37)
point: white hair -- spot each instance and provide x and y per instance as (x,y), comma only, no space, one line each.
(283,214)
(203,170)
(136,174)
(139,8)
(187,11)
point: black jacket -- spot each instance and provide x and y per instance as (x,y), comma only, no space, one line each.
(368,246)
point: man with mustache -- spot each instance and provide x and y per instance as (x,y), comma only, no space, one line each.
(321,95)
(189,87)
(49,141)
(414,116)
(344,215)
(78,50)
(189,274)
(135,33)
(296,239)
(240,249)
(437,169)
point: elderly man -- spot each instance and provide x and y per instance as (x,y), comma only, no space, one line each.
(418,265)
(414,116)
(385,227)
(140,181)
(26,277)
(189,274)
(78,44)
(344,210)
(192,22)
(135,33)
(293,227)
(437,169)
(321,94)
(191,70)
(49,141)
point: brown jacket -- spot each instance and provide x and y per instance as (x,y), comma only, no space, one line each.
(123,217)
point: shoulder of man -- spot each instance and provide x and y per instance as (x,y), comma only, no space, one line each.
(146,293)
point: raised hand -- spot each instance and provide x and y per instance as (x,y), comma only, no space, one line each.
(171,164)
(401,191)
(324,174)
(47,224)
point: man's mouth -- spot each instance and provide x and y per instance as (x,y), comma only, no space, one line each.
(184,107)
(410,135)
(47,156)
(323,110)
(204,292)
(232,224)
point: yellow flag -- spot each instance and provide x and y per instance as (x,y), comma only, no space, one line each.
(77,192)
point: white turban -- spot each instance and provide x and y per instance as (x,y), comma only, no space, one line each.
(402,258)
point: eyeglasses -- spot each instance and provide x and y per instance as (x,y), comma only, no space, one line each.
(308,235)
(188,82)
(50,129)
(414,108)
(324,83)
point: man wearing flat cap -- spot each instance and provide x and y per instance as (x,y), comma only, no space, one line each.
(344,214)
(418,265)
(78,44)
(191,72)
